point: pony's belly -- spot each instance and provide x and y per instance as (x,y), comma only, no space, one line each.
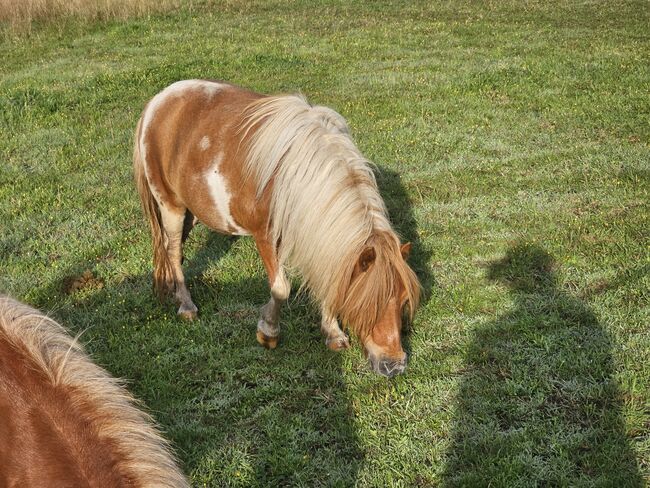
(231,231)
(215,221)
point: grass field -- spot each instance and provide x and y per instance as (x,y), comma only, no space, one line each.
(512,146)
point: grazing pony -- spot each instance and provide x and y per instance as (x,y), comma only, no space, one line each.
(64,421)
(287,173)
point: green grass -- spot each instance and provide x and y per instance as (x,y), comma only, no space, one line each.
(512,145)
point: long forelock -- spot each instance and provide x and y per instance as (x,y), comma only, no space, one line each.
(363,301)
(147,457)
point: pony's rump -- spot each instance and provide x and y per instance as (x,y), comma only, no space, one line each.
(64,421)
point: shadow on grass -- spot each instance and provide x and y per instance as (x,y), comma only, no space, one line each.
(238,415)
(401,215)
(538,404)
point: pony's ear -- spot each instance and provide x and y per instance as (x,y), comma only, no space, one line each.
(406,250)
(367,257)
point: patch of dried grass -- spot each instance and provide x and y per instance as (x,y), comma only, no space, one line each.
(19,15)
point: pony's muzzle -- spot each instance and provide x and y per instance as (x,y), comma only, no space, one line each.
(387,366)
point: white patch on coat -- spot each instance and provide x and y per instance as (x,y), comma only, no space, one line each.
(281,288)
(204,144)
(206,88)
(221,196)
(330,325)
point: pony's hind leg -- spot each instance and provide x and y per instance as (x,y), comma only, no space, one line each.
(335,338)
(268,328)
(175,228)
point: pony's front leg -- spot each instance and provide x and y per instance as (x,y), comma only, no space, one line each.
(335,338)
(268,327)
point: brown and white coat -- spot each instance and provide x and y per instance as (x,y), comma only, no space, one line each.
(288,174)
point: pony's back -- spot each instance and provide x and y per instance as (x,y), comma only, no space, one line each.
(64,421)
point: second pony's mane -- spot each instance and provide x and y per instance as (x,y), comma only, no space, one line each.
(143,455)
(325,206)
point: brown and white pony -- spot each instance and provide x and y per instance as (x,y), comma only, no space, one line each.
(288,174)
(64,421)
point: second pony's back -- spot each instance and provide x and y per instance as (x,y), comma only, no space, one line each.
(64,421)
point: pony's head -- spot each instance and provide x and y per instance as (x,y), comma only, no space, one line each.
(381,291)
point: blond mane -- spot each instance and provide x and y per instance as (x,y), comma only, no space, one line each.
(325,207)
(145,456)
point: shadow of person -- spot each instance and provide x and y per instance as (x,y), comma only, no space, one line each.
(236,413)
(538,403)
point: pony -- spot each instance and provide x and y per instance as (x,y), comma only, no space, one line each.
(64,421)
(288,174)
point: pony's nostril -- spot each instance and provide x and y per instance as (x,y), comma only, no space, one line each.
(389,367)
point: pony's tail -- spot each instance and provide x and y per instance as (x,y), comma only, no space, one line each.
(163,274)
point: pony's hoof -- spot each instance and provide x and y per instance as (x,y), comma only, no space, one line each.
(267,341)
(338,343)
(188,313)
